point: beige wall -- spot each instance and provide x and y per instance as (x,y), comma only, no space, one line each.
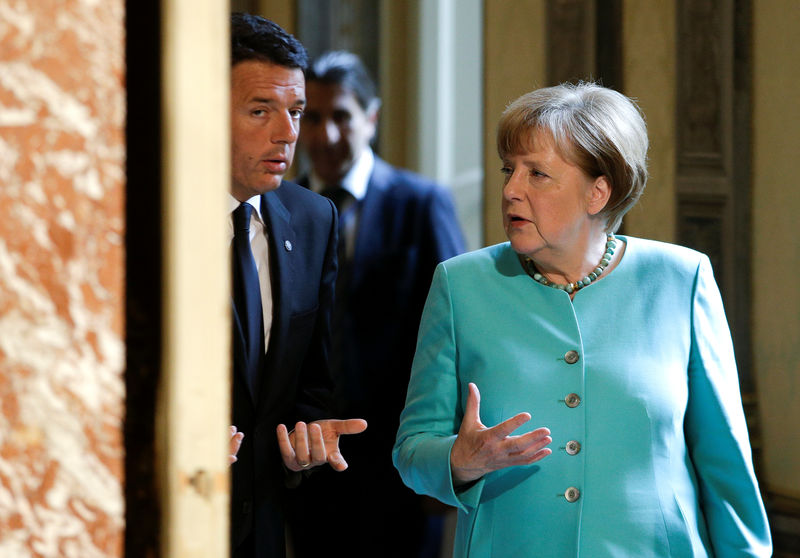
(62,151)
(776,248)
(399,82)
(282,12)
(514,55)
(649,77)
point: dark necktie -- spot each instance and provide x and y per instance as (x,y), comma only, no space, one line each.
(341,198)
(247,293)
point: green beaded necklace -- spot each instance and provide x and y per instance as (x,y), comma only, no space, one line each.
(530,268)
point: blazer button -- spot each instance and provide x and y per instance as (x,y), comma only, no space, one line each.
(288,245)
(573,447)
(572,357)
(573,400)
(572,494)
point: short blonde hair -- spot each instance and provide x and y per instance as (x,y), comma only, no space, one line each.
(598,129)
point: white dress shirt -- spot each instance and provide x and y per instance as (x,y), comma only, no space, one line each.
(260,248)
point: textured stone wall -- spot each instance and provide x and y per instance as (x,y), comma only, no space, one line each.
(61,277)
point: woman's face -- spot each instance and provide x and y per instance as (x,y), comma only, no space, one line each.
(549,203)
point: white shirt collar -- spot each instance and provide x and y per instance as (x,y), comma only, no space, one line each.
(233,203)
(255,201)
(357,178)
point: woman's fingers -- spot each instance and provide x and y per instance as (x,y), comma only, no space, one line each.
(472,410)
(529,443)
(508,426)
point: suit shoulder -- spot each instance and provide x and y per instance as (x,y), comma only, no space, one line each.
(296,197)
(404,181)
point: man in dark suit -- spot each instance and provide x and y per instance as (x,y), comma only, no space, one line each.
(284,242)
(394,227)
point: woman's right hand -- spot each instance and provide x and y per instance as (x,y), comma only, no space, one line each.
(479,450)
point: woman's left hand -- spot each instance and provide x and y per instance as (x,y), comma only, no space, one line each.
(479,450)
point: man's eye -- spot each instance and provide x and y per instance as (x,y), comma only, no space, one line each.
(506,171)
(297,114)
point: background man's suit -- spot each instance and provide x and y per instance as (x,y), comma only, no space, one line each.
(406,225)
(295,383)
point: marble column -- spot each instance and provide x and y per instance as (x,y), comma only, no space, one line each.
(62,105)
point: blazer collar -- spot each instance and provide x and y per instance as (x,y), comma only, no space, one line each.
(282,239)
(370,218)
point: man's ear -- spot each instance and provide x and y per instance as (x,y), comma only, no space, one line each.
(373,112)
(599,195)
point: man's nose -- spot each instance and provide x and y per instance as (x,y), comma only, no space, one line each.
(286,130)
(331,132)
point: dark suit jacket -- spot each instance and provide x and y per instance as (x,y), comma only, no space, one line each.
(295,382)
(407,225)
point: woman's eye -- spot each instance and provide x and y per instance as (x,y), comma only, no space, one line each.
(506,171)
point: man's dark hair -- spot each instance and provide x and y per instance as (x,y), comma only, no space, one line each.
(345,69)
(256,38)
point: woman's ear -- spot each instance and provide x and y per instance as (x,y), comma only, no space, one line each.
(599,195)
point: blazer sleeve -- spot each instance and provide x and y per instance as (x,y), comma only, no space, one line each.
(433,412)
(716,432)
(315,387)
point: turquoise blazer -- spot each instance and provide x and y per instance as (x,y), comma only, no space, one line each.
(650,448)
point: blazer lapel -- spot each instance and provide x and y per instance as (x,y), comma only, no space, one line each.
(370,219)
(281,238)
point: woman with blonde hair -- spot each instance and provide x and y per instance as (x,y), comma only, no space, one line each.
(617,347)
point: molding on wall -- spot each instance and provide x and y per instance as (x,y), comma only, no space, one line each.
(713,153)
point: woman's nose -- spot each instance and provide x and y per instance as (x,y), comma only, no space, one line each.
(512,188)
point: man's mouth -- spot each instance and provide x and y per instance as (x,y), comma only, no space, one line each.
(275,164)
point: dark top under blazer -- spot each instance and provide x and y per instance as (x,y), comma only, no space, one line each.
(295,382)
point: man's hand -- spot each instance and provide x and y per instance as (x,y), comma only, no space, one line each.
(479,450)
(316,443)
(236,443)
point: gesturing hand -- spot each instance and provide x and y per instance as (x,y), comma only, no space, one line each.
(316,443)
(479,450)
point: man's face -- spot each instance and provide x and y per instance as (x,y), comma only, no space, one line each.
(267,102)
(335,129)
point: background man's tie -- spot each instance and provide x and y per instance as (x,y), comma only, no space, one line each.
(346,205)
(247,293)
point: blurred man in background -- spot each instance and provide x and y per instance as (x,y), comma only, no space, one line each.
(394,228)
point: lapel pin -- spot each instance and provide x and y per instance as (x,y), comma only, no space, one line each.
(288,245)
